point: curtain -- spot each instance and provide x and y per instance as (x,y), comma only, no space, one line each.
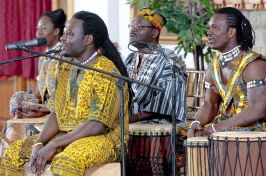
(19,19)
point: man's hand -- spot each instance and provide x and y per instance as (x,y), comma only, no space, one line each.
(133,118)
(195,130)
(40,156)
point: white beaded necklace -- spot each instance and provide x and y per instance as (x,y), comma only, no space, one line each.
(225,57)
(89,59)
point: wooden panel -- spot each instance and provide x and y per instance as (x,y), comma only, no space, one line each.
(7,90)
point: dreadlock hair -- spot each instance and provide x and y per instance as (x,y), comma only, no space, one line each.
(58,18)
(245,33)
(94,25)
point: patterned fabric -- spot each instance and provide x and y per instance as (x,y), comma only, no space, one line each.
(156,70)
(47,72)
(80,96)
(234,93)
(152,16)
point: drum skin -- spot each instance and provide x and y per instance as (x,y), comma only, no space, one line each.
(238,153)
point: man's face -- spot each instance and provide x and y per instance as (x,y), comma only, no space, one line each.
(144,34)
(218,34)
(73,42)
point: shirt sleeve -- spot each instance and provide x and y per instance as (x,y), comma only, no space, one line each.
(103,105)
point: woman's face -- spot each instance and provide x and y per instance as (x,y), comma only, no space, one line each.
(45,28)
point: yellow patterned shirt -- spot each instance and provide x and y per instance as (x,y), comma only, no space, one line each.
(47,73)
(82,95)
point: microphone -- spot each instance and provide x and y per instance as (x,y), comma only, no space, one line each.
(163,51)
(30,43)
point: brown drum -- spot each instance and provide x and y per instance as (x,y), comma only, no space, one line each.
(17,129)
(238,153)
(197,155)
(149,149)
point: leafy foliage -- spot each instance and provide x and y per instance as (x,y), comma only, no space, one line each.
(188,25)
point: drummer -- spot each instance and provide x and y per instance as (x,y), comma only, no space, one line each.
(235,96)
(151,106)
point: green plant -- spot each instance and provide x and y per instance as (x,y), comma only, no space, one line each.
(188,22)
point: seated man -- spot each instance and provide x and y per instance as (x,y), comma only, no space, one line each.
(235,96)
(152,106)
(83,129)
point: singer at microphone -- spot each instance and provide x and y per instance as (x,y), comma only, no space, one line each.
(152,106)
(48,35)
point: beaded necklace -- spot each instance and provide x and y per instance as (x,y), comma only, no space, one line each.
(136,69)
(228,56)
(89,59)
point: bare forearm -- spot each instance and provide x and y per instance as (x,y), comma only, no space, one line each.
(245,118)
(89,128)
(49,129)
(206,114)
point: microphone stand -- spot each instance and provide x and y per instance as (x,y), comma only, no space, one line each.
(120,83)
(28,57)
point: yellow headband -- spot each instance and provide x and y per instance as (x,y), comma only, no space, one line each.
(156,19)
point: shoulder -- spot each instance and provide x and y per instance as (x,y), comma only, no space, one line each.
(255,69)
(107,65)
(129,58)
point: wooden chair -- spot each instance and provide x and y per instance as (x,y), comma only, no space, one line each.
(195,91)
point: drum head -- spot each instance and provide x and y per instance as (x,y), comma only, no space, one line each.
(241,136)
(196,141)
(150,129)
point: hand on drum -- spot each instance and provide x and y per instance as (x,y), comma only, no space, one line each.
(196,130)
(30,113)
(40,156)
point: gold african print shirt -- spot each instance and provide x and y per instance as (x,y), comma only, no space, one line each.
(234,93)
(82,95)
(47,74)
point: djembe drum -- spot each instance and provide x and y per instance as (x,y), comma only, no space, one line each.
(238,153)
(197,155)
(149,149)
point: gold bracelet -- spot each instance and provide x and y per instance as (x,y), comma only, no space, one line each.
(38,143)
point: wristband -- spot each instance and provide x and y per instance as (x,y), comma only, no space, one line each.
(38,143)
(213,128)
(139,116)
(194,122)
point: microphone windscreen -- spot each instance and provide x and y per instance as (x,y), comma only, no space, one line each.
(42,41)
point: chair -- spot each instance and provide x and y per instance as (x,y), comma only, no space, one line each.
(195,92)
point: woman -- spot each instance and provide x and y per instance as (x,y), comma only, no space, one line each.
(50,26)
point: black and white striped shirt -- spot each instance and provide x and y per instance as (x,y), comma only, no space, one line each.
(156,70)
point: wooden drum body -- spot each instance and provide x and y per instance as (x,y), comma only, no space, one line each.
(197,155)
(17,129)
(149,149)
(238,153)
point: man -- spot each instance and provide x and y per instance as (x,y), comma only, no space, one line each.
(235,96)
(151,106)
(83,129)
